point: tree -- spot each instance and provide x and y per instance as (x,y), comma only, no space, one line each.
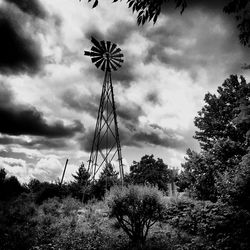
(151,171)
(148,10)
(223,141)
(136,209)
(79,187)
(10,187)
(82,175)
(2,175)
(217,119)
(108,178)
(199,176)
(235,185)
(240,10)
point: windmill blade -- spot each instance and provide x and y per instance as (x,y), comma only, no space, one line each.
(98,64)
(112,48)
(116,63)
(87,53)
(95,59)
(93,54)
(118,60)
(108,45)
(103,67)
(116,51)
(117,55)
(96,43)
(112,65)
(103,46)
(95,49)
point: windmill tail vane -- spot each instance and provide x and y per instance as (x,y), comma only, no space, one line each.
(106,143)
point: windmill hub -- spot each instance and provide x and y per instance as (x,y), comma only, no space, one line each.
(106,55)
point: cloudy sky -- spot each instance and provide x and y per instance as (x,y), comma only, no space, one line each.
(49,91)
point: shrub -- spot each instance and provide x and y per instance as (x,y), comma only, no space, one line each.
(136,209)
(55,218)
(212,225)
(17,223)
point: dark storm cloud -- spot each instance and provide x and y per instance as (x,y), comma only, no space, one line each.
(153,98)
(137,138)
(125,75)
(121,31)
(27,120)
(86,141)
(32,7)
(158,136)
(153,138)
(182,44)
(24,120)
(118,33)
(186,141)
(127,114)
(35,142)
(19,53)
(10,154)
(71,99)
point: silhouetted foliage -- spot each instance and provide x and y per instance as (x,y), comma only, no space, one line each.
(46,191)
(136,209)
(240,10)
(108,178)
(151,171)
(216,120)
(211,225)
(17,227)
(199,176)
(235,185)
(223,140)
(34,185)
(2,175)
(81,185)
(10,187)
(81,176)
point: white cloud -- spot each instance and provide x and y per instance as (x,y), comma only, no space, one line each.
(48,169)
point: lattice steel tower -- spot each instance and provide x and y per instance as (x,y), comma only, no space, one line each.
(106,143)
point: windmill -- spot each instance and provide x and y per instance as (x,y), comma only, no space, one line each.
(106,146)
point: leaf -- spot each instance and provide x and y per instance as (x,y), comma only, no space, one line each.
(130,4)
(155,19)
(95,4)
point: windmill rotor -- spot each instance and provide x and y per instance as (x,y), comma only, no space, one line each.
(105,55)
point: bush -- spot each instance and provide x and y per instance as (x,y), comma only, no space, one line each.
(47,191)
(55,218)
(136,209)
(211,225)
(17,225)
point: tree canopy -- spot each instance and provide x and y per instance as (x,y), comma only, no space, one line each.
(151,171)
(217,120)
(223,140)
